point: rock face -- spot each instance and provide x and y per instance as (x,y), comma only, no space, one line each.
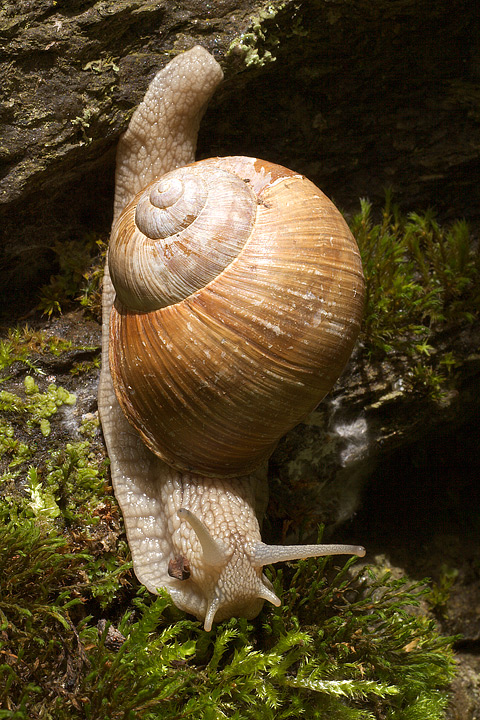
(71,74)
(358,98)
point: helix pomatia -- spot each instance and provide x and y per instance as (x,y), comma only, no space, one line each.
(237,301)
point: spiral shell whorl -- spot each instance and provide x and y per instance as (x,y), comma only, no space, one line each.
(178,234)
(169,206)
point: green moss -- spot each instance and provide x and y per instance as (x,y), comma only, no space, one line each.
(32,347)
(36,407)
(52,482)
(79,278)
(257,44)
(69,482)
(36,632)
(43,586)
(439,592)
(42,502)
(85,366)
(421,278)
(343,646)
(23,343)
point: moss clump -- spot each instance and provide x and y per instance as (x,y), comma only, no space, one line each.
(342,646)
(68,482)
(259,42)
(43,587)
(36,406)
(22,416)
(50,480)
(33,409)
(36,633)
(421,278)
(23,343)
(78,279)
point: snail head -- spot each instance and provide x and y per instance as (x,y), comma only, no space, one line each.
(229,575)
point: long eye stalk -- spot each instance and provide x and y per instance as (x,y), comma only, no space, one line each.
(214,552)
(267,554)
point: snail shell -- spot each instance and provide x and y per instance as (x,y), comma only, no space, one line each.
(239,298)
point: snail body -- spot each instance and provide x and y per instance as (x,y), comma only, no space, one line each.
(236,300)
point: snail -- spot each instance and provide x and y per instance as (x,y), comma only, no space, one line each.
(232,298)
